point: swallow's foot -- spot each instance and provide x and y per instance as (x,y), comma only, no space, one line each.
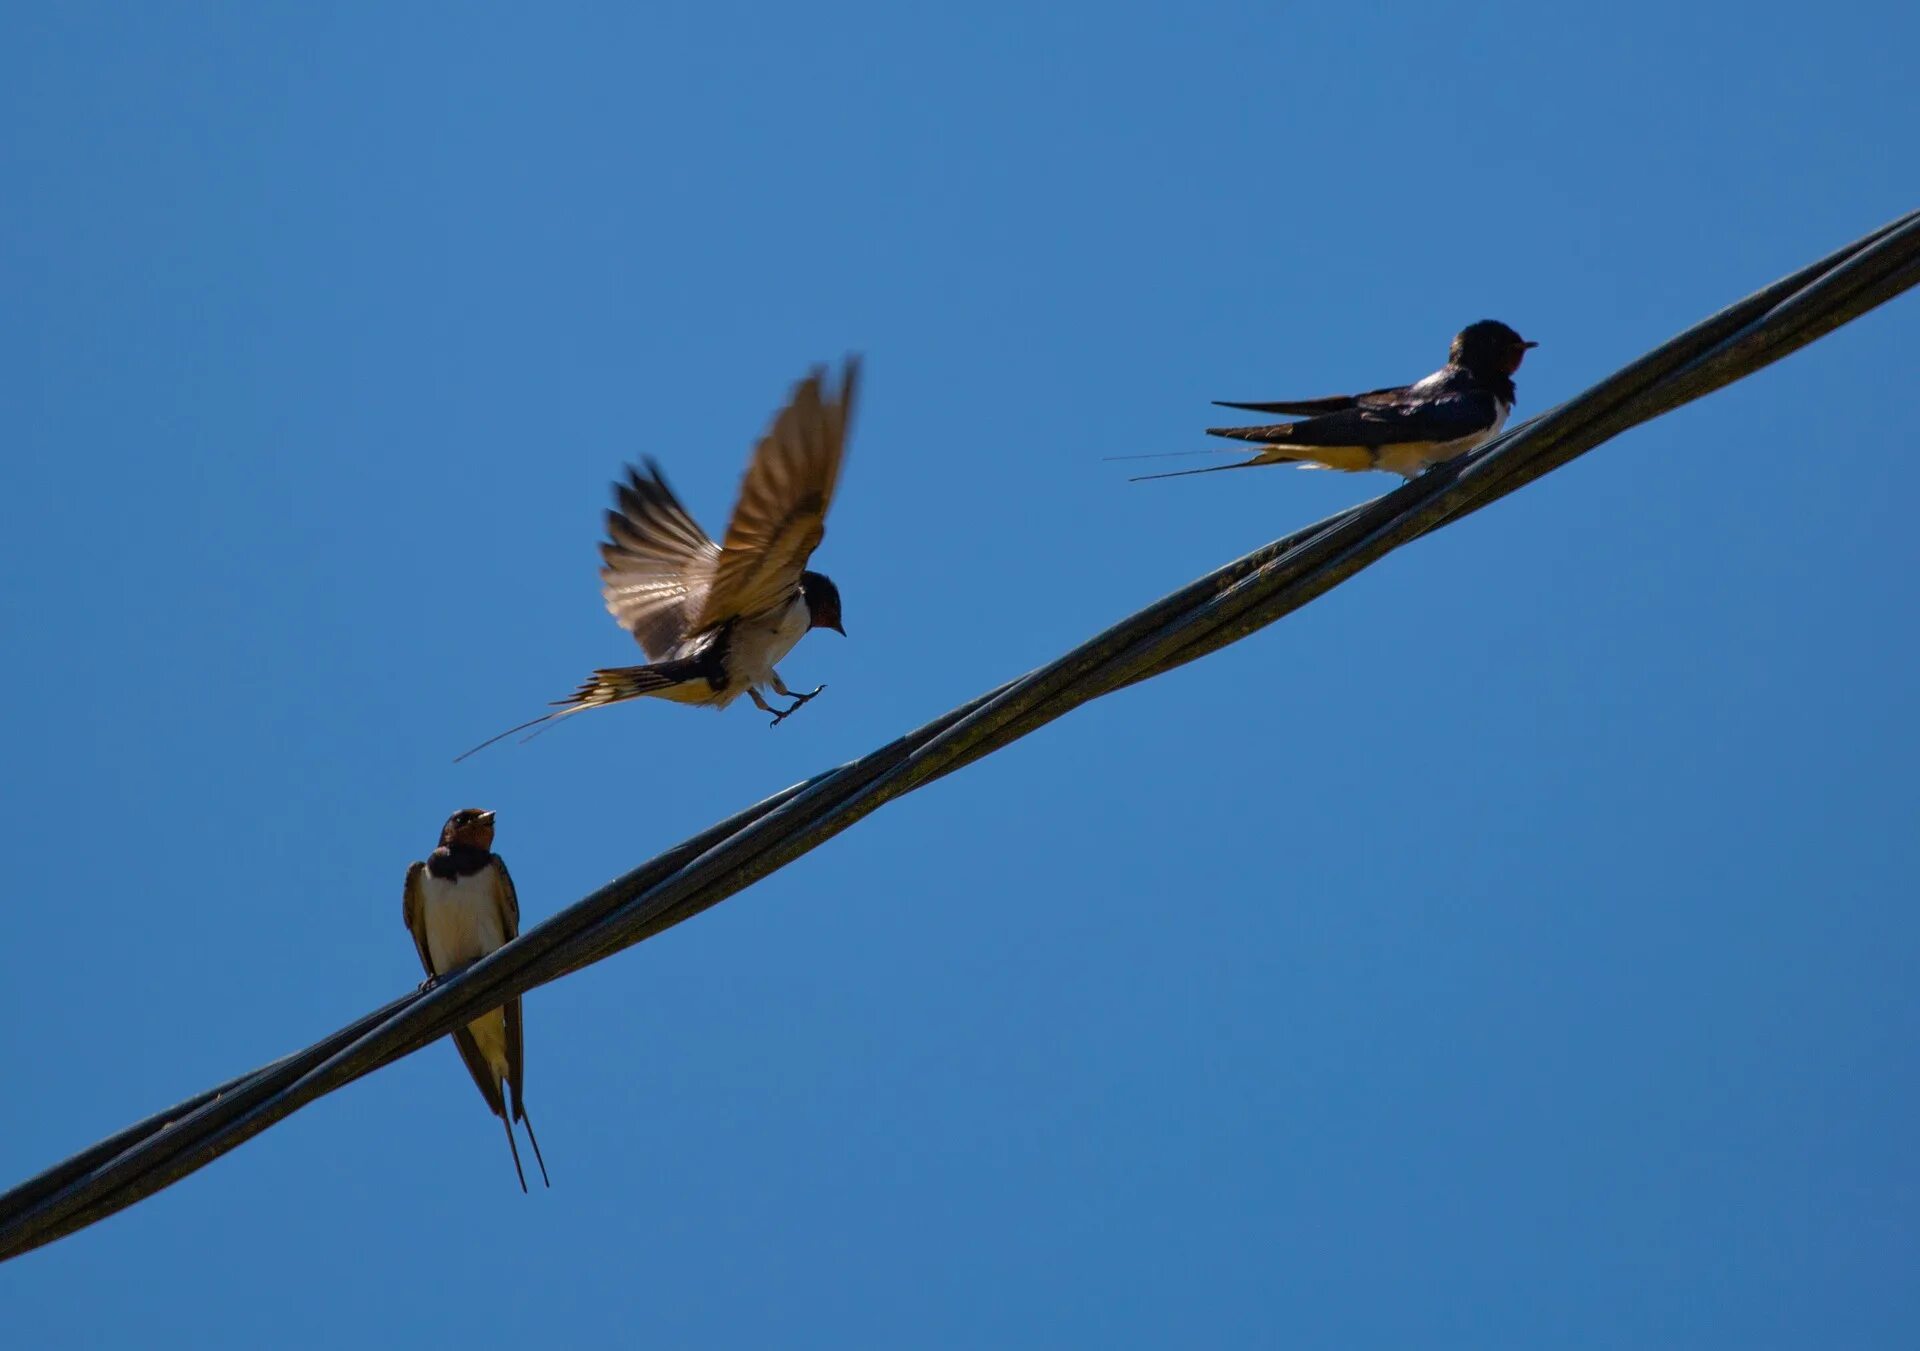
(794,707)
(429,982)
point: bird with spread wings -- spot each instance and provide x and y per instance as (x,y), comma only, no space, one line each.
(714,618)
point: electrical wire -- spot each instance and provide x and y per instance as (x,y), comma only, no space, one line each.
(1220,608)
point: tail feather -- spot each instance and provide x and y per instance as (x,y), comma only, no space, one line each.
(520,1110)
(516,1153)
(1210,469)
(1174,454)
(609,685)
(521,727)
(1278,448)
(1350,459)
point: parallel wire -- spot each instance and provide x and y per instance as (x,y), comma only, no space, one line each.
(1218,609)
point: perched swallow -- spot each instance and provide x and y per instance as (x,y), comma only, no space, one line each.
(1403,430)
(459,906)
(714,618)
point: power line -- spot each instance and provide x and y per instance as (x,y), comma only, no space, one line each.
(1218,609)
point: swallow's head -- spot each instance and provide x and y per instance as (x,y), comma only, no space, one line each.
(1489,348)
(470,826)
(823,601)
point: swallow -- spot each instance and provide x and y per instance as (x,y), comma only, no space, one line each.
(1405,429)
(712,618)
(459,905)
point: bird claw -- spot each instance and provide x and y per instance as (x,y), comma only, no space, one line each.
(794,707)
(429,983)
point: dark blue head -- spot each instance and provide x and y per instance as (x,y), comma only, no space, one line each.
(823,601)
(1488,348)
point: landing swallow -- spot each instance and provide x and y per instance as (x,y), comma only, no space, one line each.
(1404,429)
(714,618)
(459,905)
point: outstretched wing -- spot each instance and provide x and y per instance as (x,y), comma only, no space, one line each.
(1449,417)
(413,911)
(782,513)
(658,563)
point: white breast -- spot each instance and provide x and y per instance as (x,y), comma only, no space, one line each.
(462,919)
(756,645)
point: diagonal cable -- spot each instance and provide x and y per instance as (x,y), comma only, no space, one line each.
(1220,608)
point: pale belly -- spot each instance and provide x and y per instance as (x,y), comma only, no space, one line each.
(462,920)
(463,925)
(756,646)
(1410,458)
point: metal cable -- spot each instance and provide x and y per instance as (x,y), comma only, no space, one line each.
(1220,608)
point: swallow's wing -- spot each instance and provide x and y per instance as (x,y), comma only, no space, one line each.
(413,910)
(658,563)
(1293,407)
(1446,417)
(506,898)
(508,901)
(782,513)
(1338,403)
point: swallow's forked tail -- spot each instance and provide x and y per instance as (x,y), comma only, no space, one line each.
(1173,454)
(520,1110)
(516,1153)
(1351,459)
(611,684)
(1278,444)
(522,727)
(607,686)
(1183,473)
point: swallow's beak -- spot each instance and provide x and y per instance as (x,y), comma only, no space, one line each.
(837,629)
(1526,345)
(486,818)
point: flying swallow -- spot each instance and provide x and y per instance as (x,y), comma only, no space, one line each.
(460,905)
(714,618)
(1405,429)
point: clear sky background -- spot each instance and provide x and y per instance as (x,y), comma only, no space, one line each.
(1514,948)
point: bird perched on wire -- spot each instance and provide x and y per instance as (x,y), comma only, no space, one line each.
(1404,429)
(459,905)
(714,618)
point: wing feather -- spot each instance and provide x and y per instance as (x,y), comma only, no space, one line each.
(413,912)
(506,898)
(509,902)
(1445,418)
(780,518)
(1337,403)
(657,562)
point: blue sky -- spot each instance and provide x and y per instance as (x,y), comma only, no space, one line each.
(1514,948)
